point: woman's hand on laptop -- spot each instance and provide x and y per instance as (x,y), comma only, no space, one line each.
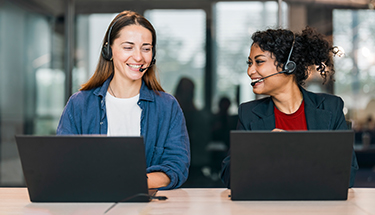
(157,179)
(277,130)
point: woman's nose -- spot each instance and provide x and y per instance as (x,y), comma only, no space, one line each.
(250,70)
(137,55)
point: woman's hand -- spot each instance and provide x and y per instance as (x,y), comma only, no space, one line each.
(157,179)
(277,130)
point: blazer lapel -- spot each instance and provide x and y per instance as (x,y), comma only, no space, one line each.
(264,111)
(316,117)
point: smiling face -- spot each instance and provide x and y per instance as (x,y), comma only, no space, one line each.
(132,50)
(262,64)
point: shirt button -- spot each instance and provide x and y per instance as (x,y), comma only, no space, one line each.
(101,123)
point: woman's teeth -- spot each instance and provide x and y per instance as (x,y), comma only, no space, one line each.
(135,66)
(257,80)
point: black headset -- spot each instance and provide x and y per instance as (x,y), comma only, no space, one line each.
(290,66)
(107,50)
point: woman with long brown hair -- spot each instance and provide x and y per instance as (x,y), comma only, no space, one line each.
(124,98)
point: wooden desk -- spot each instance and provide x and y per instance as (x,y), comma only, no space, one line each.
(361,201)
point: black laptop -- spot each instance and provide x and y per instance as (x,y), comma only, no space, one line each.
(84,168)
(301,165)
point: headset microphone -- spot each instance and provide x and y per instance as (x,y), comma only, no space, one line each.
(289,67)
(254,82)
(151,64)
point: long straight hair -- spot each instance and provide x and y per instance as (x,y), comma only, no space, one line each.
(105,68)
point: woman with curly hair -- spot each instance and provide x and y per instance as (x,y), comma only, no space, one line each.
(278,65)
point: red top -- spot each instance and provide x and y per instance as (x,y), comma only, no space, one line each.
(290,122)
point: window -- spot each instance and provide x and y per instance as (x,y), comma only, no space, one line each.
(235,22)
(181,41)
(355,71)
(31,82)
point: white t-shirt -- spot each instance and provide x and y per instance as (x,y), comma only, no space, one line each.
(123,116)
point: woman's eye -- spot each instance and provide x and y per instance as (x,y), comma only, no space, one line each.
(249,63)
(146,49)
(127,48)
(259,61)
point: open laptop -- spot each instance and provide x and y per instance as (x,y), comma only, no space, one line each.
(301,165)
(84,168)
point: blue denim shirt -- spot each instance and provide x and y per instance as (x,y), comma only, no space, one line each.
(163,127)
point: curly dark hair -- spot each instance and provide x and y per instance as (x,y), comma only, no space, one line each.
(310,48)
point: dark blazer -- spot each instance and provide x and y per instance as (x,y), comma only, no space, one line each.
(322,111)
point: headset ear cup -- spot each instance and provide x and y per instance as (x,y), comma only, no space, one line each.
(290,66)
(107,52)
(153,56)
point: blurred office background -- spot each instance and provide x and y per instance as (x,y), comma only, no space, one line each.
(48,48)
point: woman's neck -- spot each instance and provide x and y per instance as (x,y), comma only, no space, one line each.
(121,88)
(289,99)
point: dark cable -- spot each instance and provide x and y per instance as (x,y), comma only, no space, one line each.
(137,195)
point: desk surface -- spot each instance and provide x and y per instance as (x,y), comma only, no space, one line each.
(361,201)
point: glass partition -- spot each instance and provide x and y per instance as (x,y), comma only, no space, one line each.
(355,71)
(31,81)
(234,23)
